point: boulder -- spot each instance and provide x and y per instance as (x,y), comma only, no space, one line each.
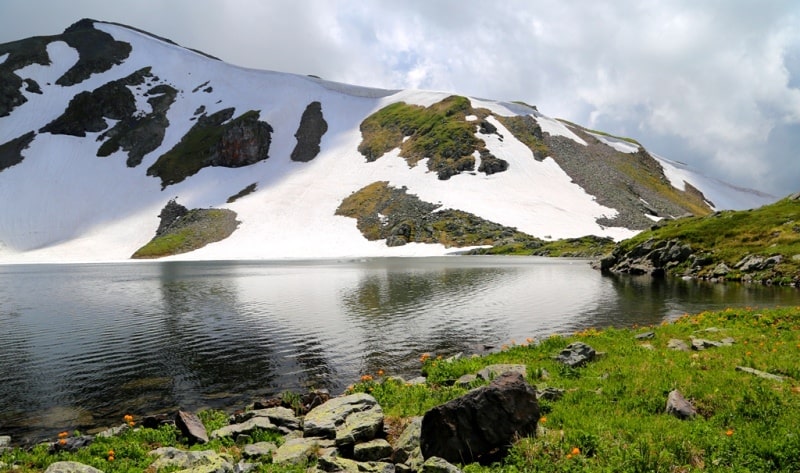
(245,428)
(576,354)
(677,344)
(466,380)
(374,450)
(70,467)
(492,371)
(645,336)
(678,406)
(699,344)
(347,419)
(191,427)
(481,424)
(408,441)
(438,465)
(71,444)
(197,461)
(297,451)
(279,416)
(259,449)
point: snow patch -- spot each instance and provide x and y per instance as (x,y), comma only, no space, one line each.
(618,144)
(3,58)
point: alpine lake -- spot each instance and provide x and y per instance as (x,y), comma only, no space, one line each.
(85,344)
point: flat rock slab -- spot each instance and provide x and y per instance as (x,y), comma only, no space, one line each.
(71,467)
(760,374)
(438,465)
(259,449)
(336,464)
(280,416)
(374,450)
(348,419)
(245,428)
(699,344)
(296,451)
(191,427)
(205,460)
(677,344)
(492,371)
(576,354)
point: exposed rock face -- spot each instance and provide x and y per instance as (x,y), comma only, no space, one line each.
(169,215)
(215,140)
(481,424)
(309,134)
(205,460)
(652,257)
(11,152)
(491,164)
(348,420)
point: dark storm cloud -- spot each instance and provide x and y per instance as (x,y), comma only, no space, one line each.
(711,83)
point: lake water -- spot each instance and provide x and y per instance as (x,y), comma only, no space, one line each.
(83,345)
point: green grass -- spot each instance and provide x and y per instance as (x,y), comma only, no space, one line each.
(729,236)
(589,246)
(611,417)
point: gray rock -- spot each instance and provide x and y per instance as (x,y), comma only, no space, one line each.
(408,441)
(309,134)
(550,394)
(466,380)
(245,428)
(191,427)
(760,374)
(70,467)
(351,466)
(645,336)
(699,344)
(5,441)
(373,450)
(576,354)
(72,444)
(348,419)
(114,431)
(297,451)
(676,344)
(438,465)
(720,270)
(678,406)
(727,341)
(279,416)
(197,461)
(259,449)
(418,380)
(481,424)
(492,371)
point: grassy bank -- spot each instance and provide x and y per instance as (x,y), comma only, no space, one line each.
(611,416)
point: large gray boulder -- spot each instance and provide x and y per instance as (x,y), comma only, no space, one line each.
(198,461)
(481,424)
(191,427)
(71,467)
(297,451)
(678,406)
(347,419)
(492,371)
(245,428)
(576,354)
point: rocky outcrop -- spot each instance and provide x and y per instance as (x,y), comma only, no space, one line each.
(653,257)
(309,134)
(11,152)
(347,420)
(71,467)
(215,140)
(576,354)
(204,460)
(480,425)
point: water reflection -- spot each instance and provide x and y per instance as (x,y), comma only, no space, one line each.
(87,344)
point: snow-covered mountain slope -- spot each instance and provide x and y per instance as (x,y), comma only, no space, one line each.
(103,125)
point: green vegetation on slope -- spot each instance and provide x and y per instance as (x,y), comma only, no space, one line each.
(439,132)
(611,417)
(589,246)
(194,230)
(385,212)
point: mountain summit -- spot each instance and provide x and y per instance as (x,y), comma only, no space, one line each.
(115,142)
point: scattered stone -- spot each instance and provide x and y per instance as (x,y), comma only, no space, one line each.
(418,380)
(678,406)
(296,451)
(114,431)
(197,461)
(71,467)
(191,427)
(576,354)
(648,346)
(438,465)
(676,344)
(699,344)
(279,416)
(348,419)
(259,449)
(5,442)
(550,394)
(466,380)
(482,423)
(727,341)
(492,371)
(645,336)
(374,450)
(760,374)
(245,428)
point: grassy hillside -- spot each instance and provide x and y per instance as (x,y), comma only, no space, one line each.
(727,238)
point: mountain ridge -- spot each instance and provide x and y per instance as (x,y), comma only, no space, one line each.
(82,165)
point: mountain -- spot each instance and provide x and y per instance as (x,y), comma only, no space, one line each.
(110,136)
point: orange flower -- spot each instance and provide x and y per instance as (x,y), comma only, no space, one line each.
(380,372)
(424,357)
(111,453)
(127,418)
(569,456)
(543,419)
(529,340)
(729,432)
(366,378)
(576,451)
(62,435)
(62,441)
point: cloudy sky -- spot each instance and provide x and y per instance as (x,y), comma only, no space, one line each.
(712,83)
